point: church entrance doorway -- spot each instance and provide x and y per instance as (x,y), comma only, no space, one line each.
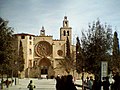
(44,65)
(44,70)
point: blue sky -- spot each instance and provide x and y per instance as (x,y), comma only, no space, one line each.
(28,16)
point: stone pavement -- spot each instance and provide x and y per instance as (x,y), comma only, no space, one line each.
(41,84)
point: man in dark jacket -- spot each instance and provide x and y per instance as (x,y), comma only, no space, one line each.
(69,83)
(106,83)
(116,84)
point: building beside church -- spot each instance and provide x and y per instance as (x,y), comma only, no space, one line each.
(42,53)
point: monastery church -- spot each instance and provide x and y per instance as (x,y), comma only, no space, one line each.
(42,53)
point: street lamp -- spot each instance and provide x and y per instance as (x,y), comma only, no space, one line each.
(15,72)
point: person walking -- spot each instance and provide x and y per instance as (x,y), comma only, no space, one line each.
(31,86)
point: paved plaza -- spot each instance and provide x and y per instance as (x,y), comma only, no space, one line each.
(41,84)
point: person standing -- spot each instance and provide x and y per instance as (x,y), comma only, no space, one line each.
(116,84)
(106,83)
(58,83)
(31,86)
(90,83)
(96,83)
(69,85)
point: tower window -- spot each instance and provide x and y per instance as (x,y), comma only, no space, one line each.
(66,23)
(30,37)
(34,64)
(30,63)
(30,51)
(64,33)
(22,37)
(67,33)
(30,43)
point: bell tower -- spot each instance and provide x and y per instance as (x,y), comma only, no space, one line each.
(66,31)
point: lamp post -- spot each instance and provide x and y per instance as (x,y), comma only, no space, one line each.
(15,73)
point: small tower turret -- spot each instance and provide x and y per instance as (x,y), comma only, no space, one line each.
(42,31)
(65,22)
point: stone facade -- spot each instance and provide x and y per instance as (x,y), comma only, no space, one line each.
(42,53)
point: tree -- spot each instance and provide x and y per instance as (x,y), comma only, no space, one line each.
(6,48)
(115,63)
(79,57)
(115,45)
(96,46)
(21,59)
(68,62)
(68,48)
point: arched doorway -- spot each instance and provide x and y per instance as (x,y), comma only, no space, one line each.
(44,65)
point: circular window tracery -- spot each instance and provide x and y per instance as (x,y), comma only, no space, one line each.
(43,48)
(60,52)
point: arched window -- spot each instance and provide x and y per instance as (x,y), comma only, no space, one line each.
(64,33)
(30,51)
(30,63)
(65,23)
(30,43)
(30,37)
(22,37)
(34,64)
(67,33)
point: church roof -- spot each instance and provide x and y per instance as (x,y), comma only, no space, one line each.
(25,34)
